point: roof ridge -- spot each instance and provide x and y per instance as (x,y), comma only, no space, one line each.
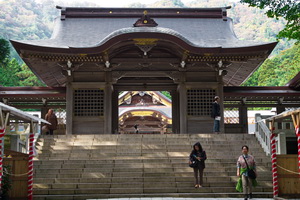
(105,12)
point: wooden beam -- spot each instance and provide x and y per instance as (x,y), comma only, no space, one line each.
(285,114)
(294,120)
(6,119)
(1,118)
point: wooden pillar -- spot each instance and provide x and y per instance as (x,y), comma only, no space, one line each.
(108,90)
(175,112)
(243,115)
(115,111)
(108,108)
(220,93)
(44,111)
(69,109)
(280,109)
(183,107)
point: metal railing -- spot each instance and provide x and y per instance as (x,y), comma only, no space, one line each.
(263,133)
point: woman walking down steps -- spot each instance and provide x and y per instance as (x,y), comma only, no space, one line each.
(244,163)
(198,155)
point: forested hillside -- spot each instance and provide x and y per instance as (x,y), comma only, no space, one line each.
(278,70)
(31,20)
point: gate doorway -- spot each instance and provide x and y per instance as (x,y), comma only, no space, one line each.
(145,111)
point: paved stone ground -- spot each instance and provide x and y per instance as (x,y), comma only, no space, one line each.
(171,198)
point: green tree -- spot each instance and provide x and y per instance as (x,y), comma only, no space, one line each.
(4,51)
(8,73)
(277,71)
(167,94)
(27,78)
(287,9)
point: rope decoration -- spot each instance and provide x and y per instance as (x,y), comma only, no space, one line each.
(30,167)
(274,163)
(285,169)
(2,133)
(15,175)
(297,130)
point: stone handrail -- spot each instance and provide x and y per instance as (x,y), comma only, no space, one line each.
(263,133)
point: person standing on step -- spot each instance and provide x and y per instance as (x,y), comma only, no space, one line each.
(52,119)
(216,114)
(136,128)
(245,183)
(198,155)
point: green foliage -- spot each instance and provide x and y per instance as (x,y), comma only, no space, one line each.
(287,9)
(4,51)
(6,182)
(167,94)
(8,77)
(277,71)
(27,78)
(12,72)
(250,23)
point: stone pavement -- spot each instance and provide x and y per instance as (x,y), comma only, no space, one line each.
(171,198)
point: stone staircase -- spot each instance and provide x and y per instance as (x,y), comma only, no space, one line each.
(112,166)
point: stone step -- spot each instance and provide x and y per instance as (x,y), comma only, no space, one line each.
(68,168)
(140,190)
(37,163)
(82,166)
(178,176)
(155,136)
(136,184)
(207,179)
(153,195)
(146,144)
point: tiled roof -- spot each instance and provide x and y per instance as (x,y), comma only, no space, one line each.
(86,32)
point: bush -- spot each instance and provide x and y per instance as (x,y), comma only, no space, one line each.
(6,182)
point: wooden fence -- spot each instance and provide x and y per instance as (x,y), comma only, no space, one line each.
(288,178)
(19,165)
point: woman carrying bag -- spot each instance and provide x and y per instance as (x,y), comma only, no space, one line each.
(246,171)
(197,162)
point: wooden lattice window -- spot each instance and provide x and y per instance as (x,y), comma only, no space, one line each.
(200,101)
(88,102)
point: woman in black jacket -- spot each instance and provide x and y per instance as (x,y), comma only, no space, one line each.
(198,155)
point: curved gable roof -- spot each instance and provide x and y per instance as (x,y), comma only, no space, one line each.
(90,27)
